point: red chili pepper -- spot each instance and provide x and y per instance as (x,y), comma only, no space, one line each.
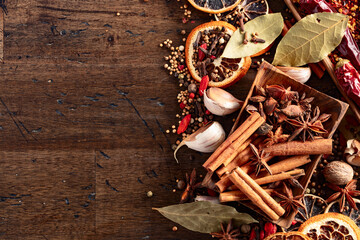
(191,95)
(293,222)
(212,57)
(203,84)
(349,79)
(184,124)
(252,234)
(348,47)
(201,53)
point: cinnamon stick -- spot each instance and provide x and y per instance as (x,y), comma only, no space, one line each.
(242,158)
(254,194)
(223,183)
(285,165)
(241,148)
(259,190)
(275,177)
(315,147)
(279,176)
(230,153)
(235,196)
(212,164)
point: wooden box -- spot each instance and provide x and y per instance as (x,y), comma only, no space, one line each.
(269,75)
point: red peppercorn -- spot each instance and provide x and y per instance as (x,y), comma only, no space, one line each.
(252,234)
(203,84)
(269,228)
(207,112)
(184,124)
(212,57)
(201,53)
(182,105)
(181,67)
(262,234)
(293,222)
(191,95)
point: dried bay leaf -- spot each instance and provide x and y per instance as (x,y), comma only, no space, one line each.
(311,39)
(267,26)
(204,217)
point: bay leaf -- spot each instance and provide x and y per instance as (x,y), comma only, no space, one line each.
(311,39)
(268,27)
(204,217)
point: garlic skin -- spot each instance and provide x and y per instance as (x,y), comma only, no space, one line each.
(211,199)
(352,152)
(220,102)
(207,139)
(300,74)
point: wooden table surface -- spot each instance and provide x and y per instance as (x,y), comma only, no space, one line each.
(84,103)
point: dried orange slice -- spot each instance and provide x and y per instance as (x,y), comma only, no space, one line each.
(314,205)
(246,10)
(287,236)
(330,226)
(214,6)
(348,211)
(204,47)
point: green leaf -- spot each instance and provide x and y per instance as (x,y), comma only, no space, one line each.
(204,217)
(311,39)
(268,27)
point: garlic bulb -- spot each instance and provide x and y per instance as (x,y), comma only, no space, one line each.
(352,152)
(207,139)
(220,102)
(300,74)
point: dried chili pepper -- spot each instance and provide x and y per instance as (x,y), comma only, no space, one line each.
(348,47)
(203,84)
(349,79)
(201,53)
(184,124)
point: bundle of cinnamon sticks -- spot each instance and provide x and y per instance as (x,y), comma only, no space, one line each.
(240,180)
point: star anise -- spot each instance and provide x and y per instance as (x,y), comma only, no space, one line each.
(191,186)
(289,202)
(282,94)
(345,194)
(275,137)
(306,125)
(227,234)
(305,103)
(260,160)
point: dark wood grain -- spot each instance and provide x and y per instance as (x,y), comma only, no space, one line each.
(84,102)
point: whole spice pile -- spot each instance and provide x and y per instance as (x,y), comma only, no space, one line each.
(281,124)
(269,162)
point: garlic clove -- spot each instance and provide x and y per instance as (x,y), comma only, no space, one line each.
(300,74)
(207,139)
(352,152)
(220,102)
